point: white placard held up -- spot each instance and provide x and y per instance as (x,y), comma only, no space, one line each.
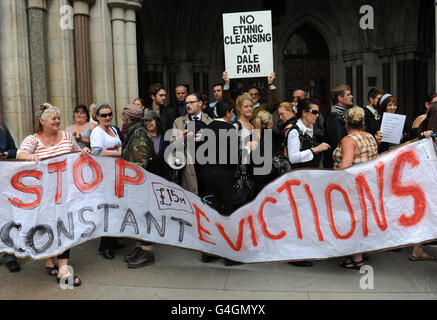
(392,127)
(248,42)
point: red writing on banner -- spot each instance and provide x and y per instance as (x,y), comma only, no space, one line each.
(36,190)
(413,190)
(121,178)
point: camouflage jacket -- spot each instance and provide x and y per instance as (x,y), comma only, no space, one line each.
(137,146)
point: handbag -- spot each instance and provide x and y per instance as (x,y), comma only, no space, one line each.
(244,188)
(280,162)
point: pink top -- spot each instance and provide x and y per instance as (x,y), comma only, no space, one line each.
(32,145)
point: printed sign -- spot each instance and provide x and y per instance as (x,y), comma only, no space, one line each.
(248,42)
(306,214)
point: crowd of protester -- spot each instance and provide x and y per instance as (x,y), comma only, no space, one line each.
(295,131)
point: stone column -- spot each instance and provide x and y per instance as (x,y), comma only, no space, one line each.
(62,83)
(1,105)
(82,50)
(102,63)
(15,69)
(131,48)
(37,18)
(118,19)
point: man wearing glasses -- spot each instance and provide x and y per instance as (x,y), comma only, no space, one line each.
(182,131)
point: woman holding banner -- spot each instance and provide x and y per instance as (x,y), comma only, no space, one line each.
(49,141)
(82,127)
(426,129)
(106,141)
(357,147)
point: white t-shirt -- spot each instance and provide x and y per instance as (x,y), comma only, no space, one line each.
(101,141)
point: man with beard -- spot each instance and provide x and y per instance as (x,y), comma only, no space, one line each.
(158,95)
(372,115)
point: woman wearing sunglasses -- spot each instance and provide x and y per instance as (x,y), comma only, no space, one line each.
(106,142)
(303,149)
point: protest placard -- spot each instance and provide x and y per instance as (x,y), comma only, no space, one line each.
(248,42)
(392,127)
(306,214)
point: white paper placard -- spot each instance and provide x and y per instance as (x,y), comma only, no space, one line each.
(392,127)
(248,42)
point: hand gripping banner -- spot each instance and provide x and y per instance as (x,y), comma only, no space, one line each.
(62,202)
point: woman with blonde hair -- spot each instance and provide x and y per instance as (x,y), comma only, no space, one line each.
(287,116)
(264,135)
(357,147)
(245,128)
(49,141)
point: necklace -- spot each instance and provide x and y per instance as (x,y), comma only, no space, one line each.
(47,142)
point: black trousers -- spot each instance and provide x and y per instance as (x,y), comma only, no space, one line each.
(107,243)
(65,255)
(218,183)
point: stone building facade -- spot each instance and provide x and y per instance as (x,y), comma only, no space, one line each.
(117,48)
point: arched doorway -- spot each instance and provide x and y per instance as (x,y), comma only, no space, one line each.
(307,65)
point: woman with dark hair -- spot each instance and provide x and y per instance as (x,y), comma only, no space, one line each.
(303,149)
(106,141)
(389,104)
(217,175)
(429,124)
(357,147)
(429,101)
(138,149)
(82,127)
(154,127)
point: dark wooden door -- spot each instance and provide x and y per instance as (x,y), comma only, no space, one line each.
(312,75)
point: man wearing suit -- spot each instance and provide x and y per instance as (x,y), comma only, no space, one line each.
(190,178)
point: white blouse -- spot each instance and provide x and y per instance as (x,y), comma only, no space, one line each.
(293,145)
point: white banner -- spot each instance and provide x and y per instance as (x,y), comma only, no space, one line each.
(248,42)
(309,214)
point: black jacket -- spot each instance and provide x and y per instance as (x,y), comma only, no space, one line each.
(277,140)
(7,143)
(335,130)
(372,125)
(231,148)
(167,115)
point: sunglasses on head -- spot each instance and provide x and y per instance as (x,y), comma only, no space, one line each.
(105,115)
